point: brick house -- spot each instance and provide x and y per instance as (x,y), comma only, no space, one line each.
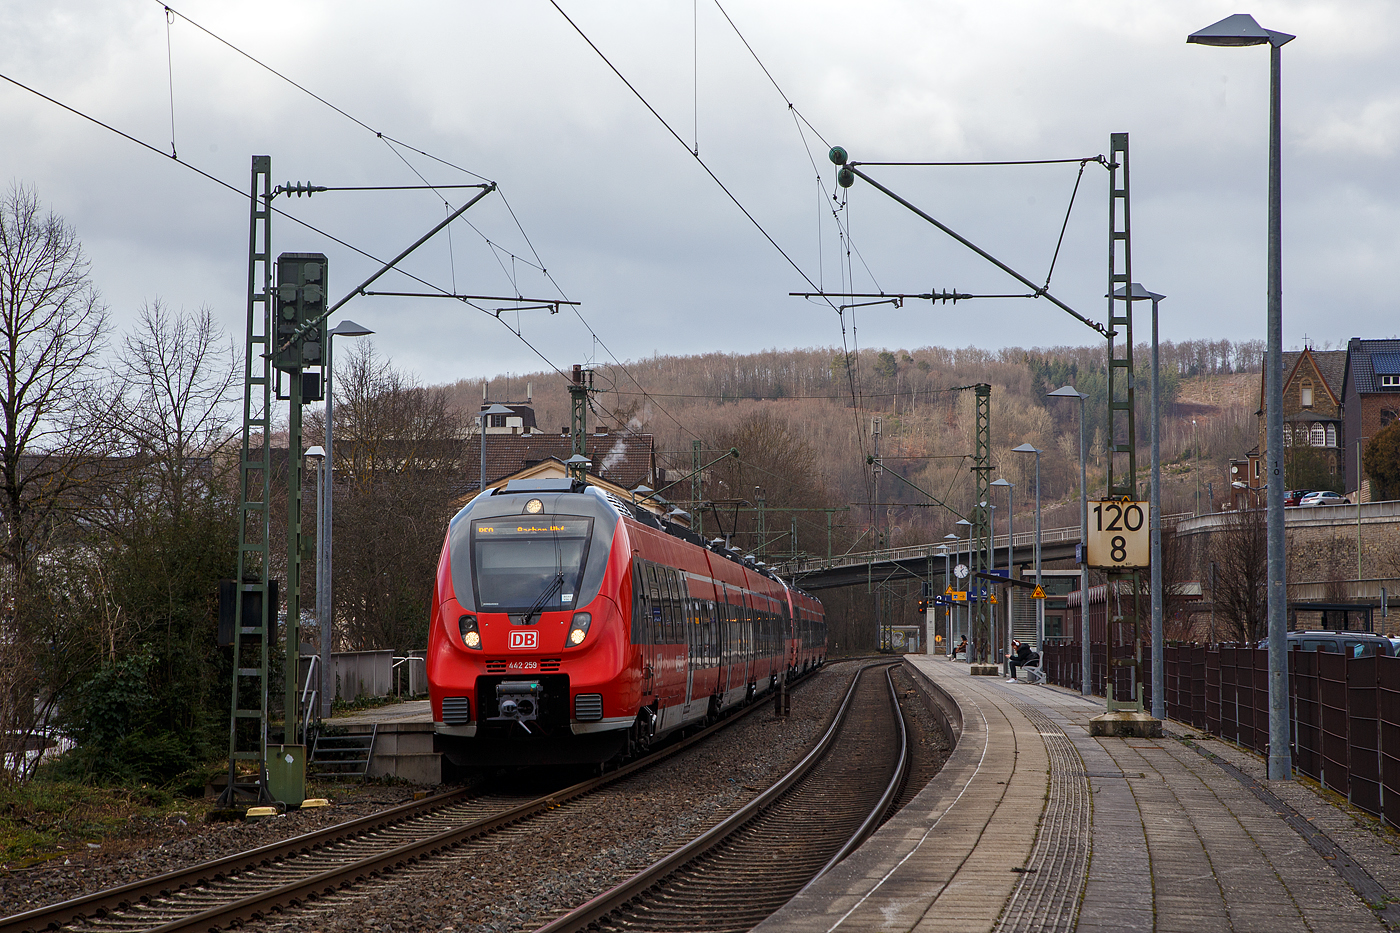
(1312,408)
(1371,396)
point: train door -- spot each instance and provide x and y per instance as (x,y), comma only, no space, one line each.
(690,637)
(732,640)
(651,659)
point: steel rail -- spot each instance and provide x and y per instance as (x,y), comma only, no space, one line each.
(253,906)
(609,901)
(101,902)
(876,817)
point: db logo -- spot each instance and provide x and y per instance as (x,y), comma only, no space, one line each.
(525,639)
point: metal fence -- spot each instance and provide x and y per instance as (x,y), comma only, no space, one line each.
(1345,711)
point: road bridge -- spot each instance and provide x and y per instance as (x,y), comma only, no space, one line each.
(820,573)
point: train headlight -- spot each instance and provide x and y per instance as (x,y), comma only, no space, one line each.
(578,631)
(471,635)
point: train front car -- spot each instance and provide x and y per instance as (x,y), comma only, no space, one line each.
(529,660)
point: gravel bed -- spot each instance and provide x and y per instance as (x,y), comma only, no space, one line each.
(930,746)
(584,848)
(182,839)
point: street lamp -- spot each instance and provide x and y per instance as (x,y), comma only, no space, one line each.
(1039,603)
(1159,645)
(1086,686)
(986,594)
(1010,550)
(947,585)
(578,465)
(967,604)
(1241,30)
(317,454)
(325,504)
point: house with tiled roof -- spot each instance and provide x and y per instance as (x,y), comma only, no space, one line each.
(626,459)
(1312,409)
(1371,396)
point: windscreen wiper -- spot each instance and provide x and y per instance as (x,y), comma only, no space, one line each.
(544,597)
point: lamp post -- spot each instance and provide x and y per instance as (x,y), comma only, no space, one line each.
(1010,550)
(325,503)
(1241,30)
(1086,686)
(1136,292)
(1159,641)
(317,455)
(1039,603)
(967,604)
(947,646)
(986,593)
(947,585)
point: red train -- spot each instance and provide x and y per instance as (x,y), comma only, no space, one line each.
(570,626)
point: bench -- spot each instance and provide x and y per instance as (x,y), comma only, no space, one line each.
(1034,674)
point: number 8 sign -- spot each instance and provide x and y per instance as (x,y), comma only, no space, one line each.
(1119,535)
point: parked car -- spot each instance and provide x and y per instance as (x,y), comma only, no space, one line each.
(1293,496)
(1323,497)
(1352,644)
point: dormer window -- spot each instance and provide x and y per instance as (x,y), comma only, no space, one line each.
(1307,395)
(1390,382)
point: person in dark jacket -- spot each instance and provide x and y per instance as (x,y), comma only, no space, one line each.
(1022,656)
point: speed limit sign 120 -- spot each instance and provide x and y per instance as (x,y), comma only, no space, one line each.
(1119,534)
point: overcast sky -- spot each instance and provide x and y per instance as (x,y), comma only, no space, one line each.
(628,223)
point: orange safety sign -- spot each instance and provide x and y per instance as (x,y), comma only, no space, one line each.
(1038,594)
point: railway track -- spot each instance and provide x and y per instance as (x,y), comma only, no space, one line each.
(736,874)
(250,885)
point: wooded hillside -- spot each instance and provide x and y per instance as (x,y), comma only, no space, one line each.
(819,410)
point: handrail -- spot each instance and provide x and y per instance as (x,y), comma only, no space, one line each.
(1022,539)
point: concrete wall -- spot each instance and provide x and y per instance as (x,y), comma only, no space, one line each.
(363,673)
(1322,554)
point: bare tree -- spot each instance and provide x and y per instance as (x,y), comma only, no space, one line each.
(175,381)
(52,328)
(1240,552)
(397,475)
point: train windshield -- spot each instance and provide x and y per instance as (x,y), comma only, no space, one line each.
(529,565)
(551,557)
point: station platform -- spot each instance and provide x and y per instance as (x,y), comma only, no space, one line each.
(403,741)
(1034,825)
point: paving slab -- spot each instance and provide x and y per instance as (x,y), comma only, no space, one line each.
(1034,824)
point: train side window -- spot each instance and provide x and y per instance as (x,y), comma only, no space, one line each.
(667,605)
(673,618)
(656,616)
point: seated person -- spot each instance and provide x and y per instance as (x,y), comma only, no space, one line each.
(1022,656)
(961,649)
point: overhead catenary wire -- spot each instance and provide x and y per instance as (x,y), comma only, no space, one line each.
(395,145)
(243,194)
